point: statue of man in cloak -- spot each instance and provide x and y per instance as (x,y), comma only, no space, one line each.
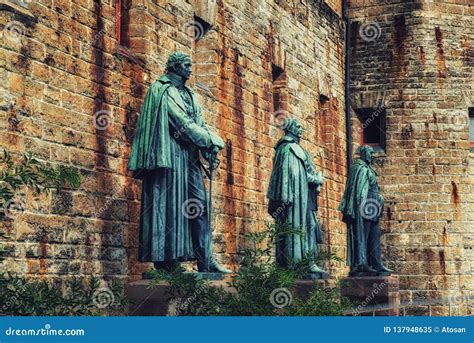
(292,194)
(362,206)
(171,134)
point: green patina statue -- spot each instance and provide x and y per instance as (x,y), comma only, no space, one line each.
(171,134)
(362,207)
(293,190)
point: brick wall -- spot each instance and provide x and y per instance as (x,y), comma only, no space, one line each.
(415,58)
(71,95)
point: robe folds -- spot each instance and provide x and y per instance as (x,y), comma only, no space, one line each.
(165,156)
(355,195)
(288,201)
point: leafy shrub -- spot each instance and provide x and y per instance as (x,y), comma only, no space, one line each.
(24,297)
(253,289)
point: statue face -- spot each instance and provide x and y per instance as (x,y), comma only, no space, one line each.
(298,130)
(294,127)
(369,155)
(185,69)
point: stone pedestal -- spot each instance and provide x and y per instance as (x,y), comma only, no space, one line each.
(145,301)
(373,295)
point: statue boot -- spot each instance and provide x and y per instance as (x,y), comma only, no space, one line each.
(365,268)
(314,268)
(383,269)
(213,267)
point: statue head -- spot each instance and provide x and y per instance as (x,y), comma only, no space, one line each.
(293,127)
(366,153)
(180,64)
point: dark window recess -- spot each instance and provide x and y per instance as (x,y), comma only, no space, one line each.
(373,127)
(279,88)
(199,28)
(471,128)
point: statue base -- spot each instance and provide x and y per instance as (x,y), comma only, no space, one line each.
(147,301)
(372,295)
(365,274)
(316,276)
(207,275)
(198,275)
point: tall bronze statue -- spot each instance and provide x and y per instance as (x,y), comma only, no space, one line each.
(362,206)
(293,182)
(171,134)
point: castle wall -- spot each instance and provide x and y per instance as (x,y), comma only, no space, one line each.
(415,60)
(72,93)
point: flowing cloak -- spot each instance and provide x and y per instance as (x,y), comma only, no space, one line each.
(355,195)
(166,143)
(288,197)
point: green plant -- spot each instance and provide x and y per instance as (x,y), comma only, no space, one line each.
(22,297)
(30,173)
(253,290)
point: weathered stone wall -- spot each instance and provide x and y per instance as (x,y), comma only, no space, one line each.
(415,58)
(71,96)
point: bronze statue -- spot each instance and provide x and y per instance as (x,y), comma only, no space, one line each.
(362,206)
(171,134)
(293,182)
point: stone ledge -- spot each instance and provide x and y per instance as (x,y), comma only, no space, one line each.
(21,12)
